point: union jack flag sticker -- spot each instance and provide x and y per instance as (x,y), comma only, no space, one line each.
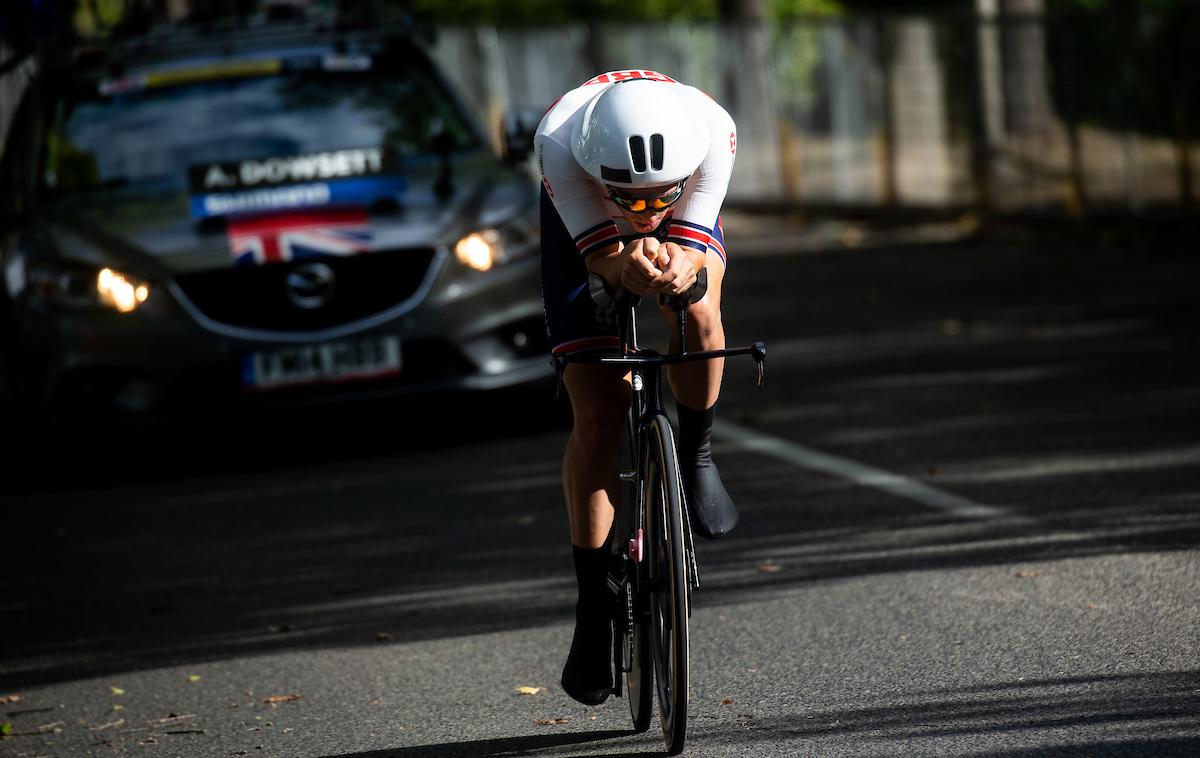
(297,236)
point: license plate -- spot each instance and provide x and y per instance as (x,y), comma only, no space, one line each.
(345,360)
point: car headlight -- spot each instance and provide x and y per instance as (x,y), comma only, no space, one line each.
(120,291)
(494,247)
(82,286)
(479,250)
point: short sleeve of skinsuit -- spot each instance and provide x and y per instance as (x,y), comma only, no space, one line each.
(581,202)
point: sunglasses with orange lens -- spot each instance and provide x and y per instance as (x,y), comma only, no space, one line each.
(646,204)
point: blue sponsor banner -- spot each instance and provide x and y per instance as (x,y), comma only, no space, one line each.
(364,191)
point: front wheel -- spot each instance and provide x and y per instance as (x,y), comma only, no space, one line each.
(634,656)
(638,665)
(667,567)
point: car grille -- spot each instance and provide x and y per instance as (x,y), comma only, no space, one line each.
(257,297)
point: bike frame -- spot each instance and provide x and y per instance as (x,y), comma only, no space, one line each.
(645,367)
(637,580)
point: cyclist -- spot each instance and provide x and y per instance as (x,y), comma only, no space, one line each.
(634,167)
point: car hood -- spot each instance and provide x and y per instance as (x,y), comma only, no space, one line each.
(158,231)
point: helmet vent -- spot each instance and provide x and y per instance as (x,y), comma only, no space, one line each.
(656,151)
(637,151)
(621,175)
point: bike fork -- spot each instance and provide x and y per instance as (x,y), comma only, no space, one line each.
(690,545)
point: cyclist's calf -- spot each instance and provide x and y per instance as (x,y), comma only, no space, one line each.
(600,398)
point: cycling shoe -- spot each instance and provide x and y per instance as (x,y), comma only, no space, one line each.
(712,510)
(587,675)
(713,514)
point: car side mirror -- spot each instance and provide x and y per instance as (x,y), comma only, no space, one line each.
(518,125)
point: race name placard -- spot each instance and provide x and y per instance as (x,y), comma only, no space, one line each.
(293,169)
(358,176)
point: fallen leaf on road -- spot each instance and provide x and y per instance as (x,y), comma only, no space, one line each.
(726,701)
(548,722)
(1028,574)
(769,567)
(171,718)
(9,699)
(274,699)
(194,678)
(117,691)
(118,707)
(383,637)
(109,725)
(54,726)
(5,729)
(530,690)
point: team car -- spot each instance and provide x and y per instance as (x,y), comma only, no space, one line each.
(269,216)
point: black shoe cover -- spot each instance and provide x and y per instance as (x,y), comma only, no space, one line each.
(587,675)
(713,513)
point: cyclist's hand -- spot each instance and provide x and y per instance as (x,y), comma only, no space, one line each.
(679,267)
(641,265)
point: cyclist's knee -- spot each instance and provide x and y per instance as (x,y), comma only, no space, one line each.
(703,320)
(705,317)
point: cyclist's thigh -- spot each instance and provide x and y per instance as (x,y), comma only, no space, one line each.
(716,276)
(710,304)
(573,322)
(716,262)
(600,395)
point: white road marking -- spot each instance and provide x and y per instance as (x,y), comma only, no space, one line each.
(1074,465)
(859,473)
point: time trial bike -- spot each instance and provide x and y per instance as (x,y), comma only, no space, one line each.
(654,563)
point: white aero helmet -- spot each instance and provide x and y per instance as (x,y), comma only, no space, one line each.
(639,133)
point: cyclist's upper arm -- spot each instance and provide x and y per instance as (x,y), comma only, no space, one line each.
(702,201)
(579,202)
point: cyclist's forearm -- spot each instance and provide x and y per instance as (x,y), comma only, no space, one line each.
(607,263)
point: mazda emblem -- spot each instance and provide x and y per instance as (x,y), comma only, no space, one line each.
(310,285)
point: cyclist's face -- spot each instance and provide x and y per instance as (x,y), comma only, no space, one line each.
(644,222)
(652,204)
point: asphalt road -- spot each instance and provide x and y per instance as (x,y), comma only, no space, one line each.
(970,502)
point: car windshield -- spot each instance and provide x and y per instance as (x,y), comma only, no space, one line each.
(153,134)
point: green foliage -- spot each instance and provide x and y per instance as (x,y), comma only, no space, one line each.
(907,6)
(544,12)
(787,10)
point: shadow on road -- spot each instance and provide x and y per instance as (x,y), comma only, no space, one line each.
(217,441)
(540,744)
(237,536)
(1136,709)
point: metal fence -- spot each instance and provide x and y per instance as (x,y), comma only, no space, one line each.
(1066,112)
(998,113)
